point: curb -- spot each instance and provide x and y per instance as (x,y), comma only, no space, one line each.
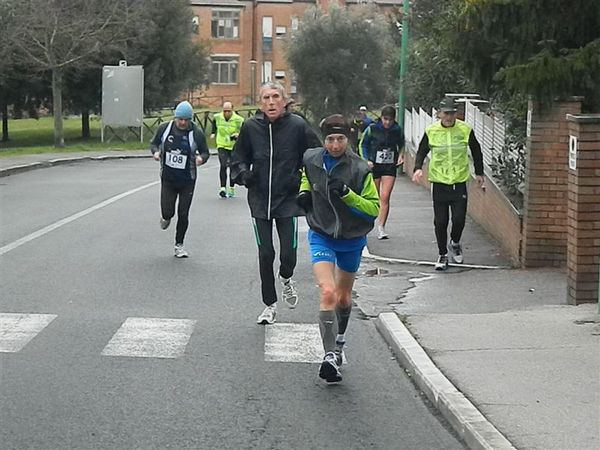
(55,162)
(472,426)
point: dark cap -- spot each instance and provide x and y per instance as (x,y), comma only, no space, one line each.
(448,105)
(388,111)
(335,124)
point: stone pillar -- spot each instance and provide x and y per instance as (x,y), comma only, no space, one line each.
(545,197)
(583,223)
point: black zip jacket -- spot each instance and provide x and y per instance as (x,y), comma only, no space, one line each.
(273,152)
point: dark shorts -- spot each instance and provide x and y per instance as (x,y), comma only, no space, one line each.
(381,170)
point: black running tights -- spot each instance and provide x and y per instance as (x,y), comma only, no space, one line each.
(168,196)
(287,230)
(225,162)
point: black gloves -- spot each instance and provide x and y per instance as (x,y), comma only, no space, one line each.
(337,187)
(248,178)
(304,200)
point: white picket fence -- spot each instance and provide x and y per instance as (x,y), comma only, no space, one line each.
(490,131)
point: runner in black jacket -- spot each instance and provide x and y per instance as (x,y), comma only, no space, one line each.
(267,158)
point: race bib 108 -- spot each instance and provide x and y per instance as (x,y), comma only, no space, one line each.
(175,160)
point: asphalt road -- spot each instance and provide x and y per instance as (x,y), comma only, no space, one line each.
(92,268)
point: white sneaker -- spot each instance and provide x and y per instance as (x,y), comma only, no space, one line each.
(442,262)
(289,293)
(381,234)
(267,317)
(456,252)
(164,223)
(180,251)
(340,356)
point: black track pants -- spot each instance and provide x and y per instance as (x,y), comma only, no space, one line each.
(449,199)
(287,230)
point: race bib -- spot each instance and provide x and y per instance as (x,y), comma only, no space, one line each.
(175,160)
(384,156)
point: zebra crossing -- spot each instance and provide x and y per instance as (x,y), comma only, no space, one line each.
(145,337)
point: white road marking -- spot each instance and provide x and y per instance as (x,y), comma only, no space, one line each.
(36,234)
(367,254)
(293,342)
(150,338)
(16,330)
(302,225)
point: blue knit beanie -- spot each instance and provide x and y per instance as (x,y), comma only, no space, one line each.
(184,111)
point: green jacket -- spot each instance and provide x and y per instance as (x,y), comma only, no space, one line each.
(225,128)
(347,217)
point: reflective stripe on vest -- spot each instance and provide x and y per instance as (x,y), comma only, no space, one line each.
(449,158)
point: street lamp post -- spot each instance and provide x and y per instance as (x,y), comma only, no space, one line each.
(403,60)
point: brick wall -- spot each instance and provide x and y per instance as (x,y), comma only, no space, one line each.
(583,207)
(490,209)
(545,196)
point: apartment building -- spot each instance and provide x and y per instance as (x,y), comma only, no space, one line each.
(247,39)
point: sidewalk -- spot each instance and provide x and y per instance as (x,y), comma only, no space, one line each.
(505,338)
(497,350)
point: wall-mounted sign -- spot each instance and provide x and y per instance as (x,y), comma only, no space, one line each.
(573,152)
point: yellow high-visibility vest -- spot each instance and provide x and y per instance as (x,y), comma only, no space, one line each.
(449,158)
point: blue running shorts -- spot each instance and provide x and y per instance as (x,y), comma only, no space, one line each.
(323,249)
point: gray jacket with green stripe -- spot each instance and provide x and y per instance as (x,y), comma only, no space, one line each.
(347,217)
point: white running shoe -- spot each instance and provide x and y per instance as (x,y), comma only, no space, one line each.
(289,293)
(267,317)
(442,263)
(164,223)
(456,252)
(180,251)
(329,370)
(340,357)
(381,234)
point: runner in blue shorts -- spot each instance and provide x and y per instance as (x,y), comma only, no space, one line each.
(341,203)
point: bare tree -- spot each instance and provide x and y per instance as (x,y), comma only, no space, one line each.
(54,35)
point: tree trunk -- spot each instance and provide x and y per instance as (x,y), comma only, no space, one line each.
(85,124)
(57,81)
(4,120)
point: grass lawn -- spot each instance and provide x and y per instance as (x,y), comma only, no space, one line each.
(34,136)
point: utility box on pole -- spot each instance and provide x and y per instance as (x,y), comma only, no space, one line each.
(123,99)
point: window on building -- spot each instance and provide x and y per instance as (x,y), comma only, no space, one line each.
(293,85)
(225,24)
(280,32)
(195,24)
(267,34)
(279,74)
(267,71)
(224,69)
(294,23)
